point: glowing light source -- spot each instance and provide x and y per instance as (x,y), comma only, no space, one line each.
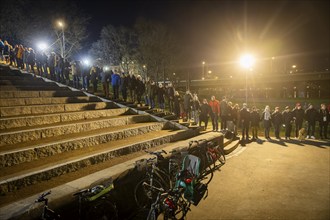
(247,61)
(294,66)
(42,46)
(86,61)
(106,68)
(61,24)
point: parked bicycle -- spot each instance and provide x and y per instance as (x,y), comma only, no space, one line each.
(96,202)
(47,213)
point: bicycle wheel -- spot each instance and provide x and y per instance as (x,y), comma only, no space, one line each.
(221,155)
(206,171)
(102,210)
(144,195)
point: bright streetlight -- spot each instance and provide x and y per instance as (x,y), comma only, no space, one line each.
(246,61)
(86,61)
(294,66)
(61,24)
(42,46)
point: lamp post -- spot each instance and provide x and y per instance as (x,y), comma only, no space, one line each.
(203,69)
(246,61)
(61,24)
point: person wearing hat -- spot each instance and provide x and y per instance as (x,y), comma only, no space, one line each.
(287,119)
(298,116)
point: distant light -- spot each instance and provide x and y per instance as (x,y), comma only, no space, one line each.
(209,71)
(42,46)
(294,66)
(144,66)
(86,62)
(247,61)
(61,24)
(203,63)
(173,74)
(216,77)
(273,58)
(203,78)
(106,68)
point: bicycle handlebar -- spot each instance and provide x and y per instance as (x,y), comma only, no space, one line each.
(42,198)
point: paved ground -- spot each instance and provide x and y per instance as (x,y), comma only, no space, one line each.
(270,180)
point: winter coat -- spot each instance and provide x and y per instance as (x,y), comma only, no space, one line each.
(311,115)
(115,79)
(255,118)
(244,116)
(187,101)
(205,112)
(215,106)
(224,108)
(31,58)
(298,114)
(277,118)
(287,117)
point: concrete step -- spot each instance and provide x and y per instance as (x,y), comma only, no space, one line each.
(46,100)
(36,94)
(55,108)
(32,88)
(25,82)
(170,117)
(21,135)
(43,119)
(230,145)
(13,178)
(33,150)
(19,79)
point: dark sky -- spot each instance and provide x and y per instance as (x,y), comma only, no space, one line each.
(218,31)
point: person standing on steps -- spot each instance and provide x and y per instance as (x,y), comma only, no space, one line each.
(277,122)
(215,106)
(204,115)
(287,119)
(224,111)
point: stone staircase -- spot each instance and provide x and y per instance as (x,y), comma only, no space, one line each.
(48,130)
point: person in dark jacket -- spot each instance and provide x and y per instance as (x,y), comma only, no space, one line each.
(124,85)
(51,64)
(177,99)
(245,120)
(140,89)
(131,87)
(94,76)
(255,120)
(323,121)
(187,103)
(277,120)
(224,112)
(161,97)
(287,119)
(298,116)
(170,95)
(311,116)
(44,59)
(31,59)
(204,115)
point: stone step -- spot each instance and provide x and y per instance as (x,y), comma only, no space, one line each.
(21,135)
(35,94)
(62,192)
(32,88)
(22,78)
(170,117)
(230,145)
(13,178)
(56,108)
(46,100)
(43,119)
(26,82)
(33,150)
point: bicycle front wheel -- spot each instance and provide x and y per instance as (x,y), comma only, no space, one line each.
(102,209)
(144,195)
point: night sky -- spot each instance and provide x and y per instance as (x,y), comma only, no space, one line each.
(218,31)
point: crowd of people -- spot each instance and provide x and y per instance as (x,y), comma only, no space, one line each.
(232,116)
(134,88)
